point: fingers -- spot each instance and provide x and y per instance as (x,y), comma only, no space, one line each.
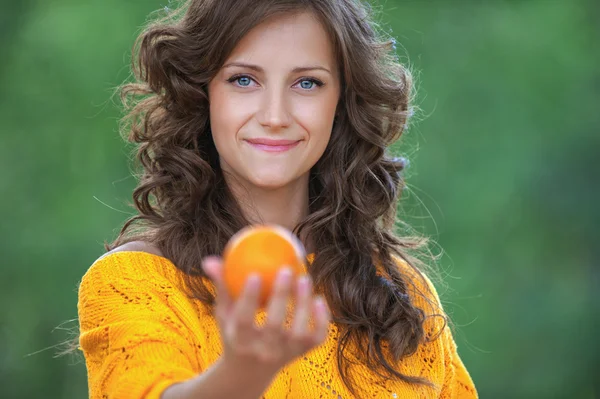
(277,307)
(241,326)
(213,267)
(273,330)
(274,343)
(303,299)
(302,337)
(322,317)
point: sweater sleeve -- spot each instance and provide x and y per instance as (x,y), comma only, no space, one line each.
(133,330)
(457,381)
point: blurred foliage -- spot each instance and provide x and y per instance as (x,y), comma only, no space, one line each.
(503,176)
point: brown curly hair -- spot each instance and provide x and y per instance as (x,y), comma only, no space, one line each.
(186,209)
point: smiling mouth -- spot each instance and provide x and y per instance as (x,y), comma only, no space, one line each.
(269,145)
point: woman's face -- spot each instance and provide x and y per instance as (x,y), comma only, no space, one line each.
(273,102)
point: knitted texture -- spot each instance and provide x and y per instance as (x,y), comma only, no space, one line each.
(141,333)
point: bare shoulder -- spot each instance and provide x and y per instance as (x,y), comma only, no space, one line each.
(135,246)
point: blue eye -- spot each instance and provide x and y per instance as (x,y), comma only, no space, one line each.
(243,80)
(305,84)
(310,84)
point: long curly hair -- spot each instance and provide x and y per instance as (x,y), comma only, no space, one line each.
(185,208)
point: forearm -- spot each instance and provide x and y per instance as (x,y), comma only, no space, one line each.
(222,380)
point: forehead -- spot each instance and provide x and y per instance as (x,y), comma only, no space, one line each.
(286,40)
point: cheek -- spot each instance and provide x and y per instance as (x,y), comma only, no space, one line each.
(225,118)
(317,119)
(319,131)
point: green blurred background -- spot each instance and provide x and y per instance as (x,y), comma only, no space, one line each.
(504,177)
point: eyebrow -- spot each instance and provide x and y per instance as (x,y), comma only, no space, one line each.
(259,69)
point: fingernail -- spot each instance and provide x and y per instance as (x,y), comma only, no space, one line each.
(303,282)
(209,260)
(320,302)
(285,273)
(253,280)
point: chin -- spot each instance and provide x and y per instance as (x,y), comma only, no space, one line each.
(270,181)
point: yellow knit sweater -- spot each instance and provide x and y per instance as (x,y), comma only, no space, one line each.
(140,333)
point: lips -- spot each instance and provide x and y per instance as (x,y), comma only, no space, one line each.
(272,142)
(273,145)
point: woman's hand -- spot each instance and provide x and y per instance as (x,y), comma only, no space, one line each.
(271,346)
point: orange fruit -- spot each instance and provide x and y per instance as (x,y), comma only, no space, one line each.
(263,250)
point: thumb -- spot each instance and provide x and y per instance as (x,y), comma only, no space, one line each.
(213,267)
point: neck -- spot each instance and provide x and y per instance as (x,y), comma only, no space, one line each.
(285,206)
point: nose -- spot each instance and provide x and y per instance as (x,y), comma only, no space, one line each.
(274,113)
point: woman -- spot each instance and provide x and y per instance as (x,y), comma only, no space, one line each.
(279,112)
